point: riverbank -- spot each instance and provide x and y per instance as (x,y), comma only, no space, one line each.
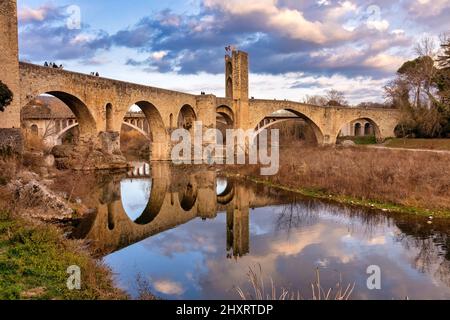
(389,180)
(34,251)
(34,261)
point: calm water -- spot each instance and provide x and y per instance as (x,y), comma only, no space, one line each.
(194,235)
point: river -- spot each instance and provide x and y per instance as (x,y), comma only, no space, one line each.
(191,233)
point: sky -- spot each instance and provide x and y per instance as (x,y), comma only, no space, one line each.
(296,47)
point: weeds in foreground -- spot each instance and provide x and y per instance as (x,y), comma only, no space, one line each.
(256,278)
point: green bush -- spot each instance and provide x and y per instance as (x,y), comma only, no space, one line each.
(6,96)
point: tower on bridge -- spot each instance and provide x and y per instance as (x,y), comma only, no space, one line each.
(237,84)
(10,134)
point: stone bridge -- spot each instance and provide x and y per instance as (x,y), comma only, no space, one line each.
(100,105)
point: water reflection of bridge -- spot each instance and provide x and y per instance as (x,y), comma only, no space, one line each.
(177,195)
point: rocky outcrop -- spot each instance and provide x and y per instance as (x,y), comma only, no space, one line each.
(38,200)
(86,157)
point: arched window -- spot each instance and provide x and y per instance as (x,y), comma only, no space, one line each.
(34,129)
(358,129)
(229,88)
(109,117)
(368,129)
(229,69)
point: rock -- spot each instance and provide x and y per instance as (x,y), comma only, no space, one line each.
(27,176)
(49,160)
(44,171)
(348,143)
(47,182)
(87,156)
(46,204)
(33,293)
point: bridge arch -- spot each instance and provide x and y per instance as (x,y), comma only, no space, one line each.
(225,191)
(84,116)
(226,113)
(60,134)
(318,134)
(186,117)
(155,188)
(157,131)
(188,197)
(224,121)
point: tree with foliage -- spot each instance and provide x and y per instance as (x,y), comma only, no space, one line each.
(419,75)
(444,58)
(6,96)
(421,92)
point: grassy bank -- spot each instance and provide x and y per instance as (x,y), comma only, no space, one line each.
(392,180)
(35,255)
(34,259)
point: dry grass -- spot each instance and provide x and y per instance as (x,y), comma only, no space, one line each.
(134,144)
(256,278)
(414,179)
(35,143)
(432,144)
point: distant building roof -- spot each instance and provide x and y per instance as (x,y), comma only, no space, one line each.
(46,107)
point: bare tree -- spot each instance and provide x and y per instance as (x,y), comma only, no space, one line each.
(316,100)
(426,47)
(335,98)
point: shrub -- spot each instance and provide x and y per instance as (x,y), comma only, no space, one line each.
(6,96)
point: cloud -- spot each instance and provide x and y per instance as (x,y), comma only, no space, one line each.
(384,61)
(428,8)
(44,35)
(168,287)
(286,21)
(45,12)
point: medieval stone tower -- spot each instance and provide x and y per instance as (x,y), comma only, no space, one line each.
(236,85)
(9,61)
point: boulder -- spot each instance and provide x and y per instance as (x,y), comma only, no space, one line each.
(45,204)
(348,143)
